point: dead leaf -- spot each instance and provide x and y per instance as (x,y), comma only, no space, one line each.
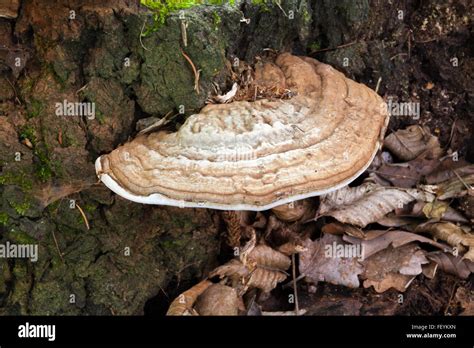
(456,187)
(293,211)
(183,304)
(367,203)
(383,239)
(445,171)
(407,174)
(408,143)
(267,257)
(265,279)
(318,264)
(465,298)
(218,299)
(451,234)
(339,229)
(452,264)
(393,268)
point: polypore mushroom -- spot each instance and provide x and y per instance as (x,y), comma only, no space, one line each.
(261,154)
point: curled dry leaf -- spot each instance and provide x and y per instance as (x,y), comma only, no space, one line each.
(465,298)
(452,264)
(380,240)
(367,203)
(407,174)
(447,170)
(451,234)
(183,304)
(264,270)
(456,187)
(339,229)
(319,264)
(408,143)
(218,299)
(393,268)
(292,211)
(267,257)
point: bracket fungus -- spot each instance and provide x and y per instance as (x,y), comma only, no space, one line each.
(261,154)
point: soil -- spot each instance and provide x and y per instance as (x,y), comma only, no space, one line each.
(136,259)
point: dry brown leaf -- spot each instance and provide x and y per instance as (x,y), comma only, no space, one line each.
(399,282)
(465,298)
(367,203)
(393,268)
(407,174)
(392,220)
(456,187)
(317,265)
(383,239)
(440,210)
(265,279)
(446,171)
(338,228)
(429,269)
(267,257)
(218,299)
(293,211)
(451,234)
(452,264)
(291,248)
(408,143)
(183,304)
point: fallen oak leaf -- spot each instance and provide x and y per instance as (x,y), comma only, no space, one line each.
(452,264)
(366,203)
(408,143)
(316,264)
(393,268)
(383,239)
(183,304)
(218,299)
(451,234)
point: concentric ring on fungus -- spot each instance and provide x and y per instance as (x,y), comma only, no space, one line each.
(257,155)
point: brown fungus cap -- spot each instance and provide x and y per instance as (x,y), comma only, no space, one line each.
(257,155)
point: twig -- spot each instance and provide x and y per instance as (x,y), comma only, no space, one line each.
(297,307)
(83,216)
(468,187)
(184,33)
(398,55)
(450,298)
(281,8)
(196,72)
(57,246)
(334,48)
(378,84)
(141,33)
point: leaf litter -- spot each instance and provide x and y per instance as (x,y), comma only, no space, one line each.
(407,221)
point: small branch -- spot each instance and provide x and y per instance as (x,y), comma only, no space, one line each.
(334,48)
(57,246)
(297,307)
(196,72)
(141,34)
(84,217)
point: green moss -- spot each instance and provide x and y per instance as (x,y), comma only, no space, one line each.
(34,108)
(20,208)
(100,117)
(216,19)
(19,179)
(28,132)
(163,8)
(3,219)
(314,46)
(20,237)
